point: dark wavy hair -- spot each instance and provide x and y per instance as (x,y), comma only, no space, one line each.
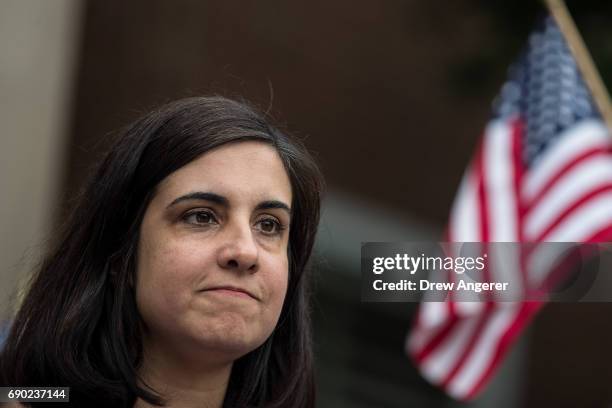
(78,324)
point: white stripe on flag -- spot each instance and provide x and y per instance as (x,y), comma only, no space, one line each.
(464,225)
(585,220)
(499,182)
(431,316)
(439,363)
(578,182)
(483,351)
(504,266)
(587,135)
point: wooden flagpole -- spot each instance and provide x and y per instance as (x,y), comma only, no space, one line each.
(581,54)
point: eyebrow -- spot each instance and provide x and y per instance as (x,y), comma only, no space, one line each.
(223,201)
(200,195)
(272,204)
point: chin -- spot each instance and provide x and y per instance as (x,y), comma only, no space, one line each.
(234,341)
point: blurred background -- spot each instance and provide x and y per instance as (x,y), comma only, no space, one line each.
(391,97)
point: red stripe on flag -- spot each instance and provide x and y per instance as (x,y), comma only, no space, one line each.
(518,127)
(571,208)
(603,235)
(482,203)
(526,313)
(420,355)
(483,318)
(482,195)
(439,337)
(589,154)
(519,172)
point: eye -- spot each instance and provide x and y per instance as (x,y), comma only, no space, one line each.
(270,226)
(200,217)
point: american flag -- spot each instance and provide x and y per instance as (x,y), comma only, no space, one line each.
(542,173)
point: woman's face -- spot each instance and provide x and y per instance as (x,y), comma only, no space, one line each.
(212,259)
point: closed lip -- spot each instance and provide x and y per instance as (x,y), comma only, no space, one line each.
(232,288)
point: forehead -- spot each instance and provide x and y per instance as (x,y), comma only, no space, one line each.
(235,170)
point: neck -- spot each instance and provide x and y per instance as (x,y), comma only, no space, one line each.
(181,383)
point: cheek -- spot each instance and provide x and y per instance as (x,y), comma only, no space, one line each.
(276,282)
(167,274)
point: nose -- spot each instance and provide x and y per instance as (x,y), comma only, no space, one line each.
(239,250)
